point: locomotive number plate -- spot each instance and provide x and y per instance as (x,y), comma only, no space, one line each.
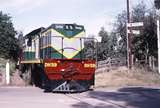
(46,65)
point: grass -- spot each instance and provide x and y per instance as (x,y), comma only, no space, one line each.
(123,77)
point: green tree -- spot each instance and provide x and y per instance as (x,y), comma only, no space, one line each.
(89,48)
(8,45)
(107,47)
(144,44)
(21,39)
(150,33)
(157,4)
(139,42)
(104,47)
(120,31)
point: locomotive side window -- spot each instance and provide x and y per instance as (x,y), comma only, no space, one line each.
(66,27)
(46,42)
(29,42)
(71,27)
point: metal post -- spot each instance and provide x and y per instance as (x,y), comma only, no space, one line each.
(81,48)
(158,35)
(97,53)
(129,55)
(62,47)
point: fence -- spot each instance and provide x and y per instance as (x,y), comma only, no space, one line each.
(151,63)
(112,62)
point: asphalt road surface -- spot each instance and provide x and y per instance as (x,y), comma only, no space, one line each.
(32,97)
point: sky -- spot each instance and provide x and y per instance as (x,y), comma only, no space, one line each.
(28,15)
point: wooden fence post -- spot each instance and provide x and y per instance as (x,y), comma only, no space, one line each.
(153,61)
(132,59)
(150,62)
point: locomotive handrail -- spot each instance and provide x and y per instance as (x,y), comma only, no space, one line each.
(69,48)
(66,48)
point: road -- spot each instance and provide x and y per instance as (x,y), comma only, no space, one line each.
(32,97)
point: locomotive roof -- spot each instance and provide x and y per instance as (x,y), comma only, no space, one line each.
(54,26)
(34,32)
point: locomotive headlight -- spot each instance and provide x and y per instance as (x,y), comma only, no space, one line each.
(89,65)
(50,65)
(62,70)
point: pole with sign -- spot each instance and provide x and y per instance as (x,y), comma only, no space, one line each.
(130,31)
(129,63)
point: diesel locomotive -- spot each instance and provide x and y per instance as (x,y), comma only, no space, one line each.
(56,58)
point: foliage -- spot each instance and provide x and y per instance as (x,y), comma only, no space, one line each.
(89,48)
(144,44)
(150,34)
(104,50)
(114,44)
(21,39)
(8,45)
(107,47)
(120,31)
(139,42)
(157,4)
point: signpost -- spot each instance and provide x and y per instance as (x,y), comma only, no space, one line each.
(129,34)
(130,31)
(98,38)
(137,32)
(137,24)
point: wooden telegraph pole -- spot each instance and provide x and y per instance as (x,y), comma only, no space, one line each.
(129,53)
(158,36)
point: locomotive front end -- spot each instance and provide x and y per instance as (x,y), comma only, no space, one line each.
(68,59)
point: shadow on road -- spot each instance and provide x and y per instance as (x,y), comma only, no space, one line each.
(131,97)
(84,105)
